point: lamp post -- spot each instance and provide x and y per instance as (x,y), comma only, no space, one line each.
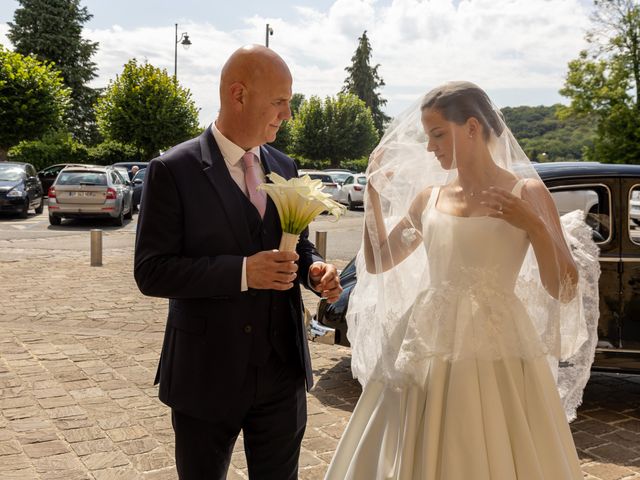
(186,43)
(269,31)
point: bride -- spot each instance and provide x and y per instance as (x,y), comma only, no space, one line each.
(471,292)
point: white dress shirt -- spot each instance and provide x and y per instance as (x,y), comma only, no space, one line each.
(232,155)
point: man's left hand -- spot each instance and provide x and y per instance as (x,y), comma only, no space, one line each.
(324,279)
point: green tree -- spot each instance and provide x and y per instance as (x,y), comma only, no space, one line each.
(283,138)
(33,99)
(51,30)
(145,108)
(545,137)
(603,82)
(337,129)
(364,80)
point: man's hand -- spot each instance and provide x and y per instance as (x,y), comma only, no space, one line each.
(324,279)
(272,270)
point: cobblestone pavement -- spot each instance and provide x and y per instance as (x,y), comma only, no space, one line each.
(78,352)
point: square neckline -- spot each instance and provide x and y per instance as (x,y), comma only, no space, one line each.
(433,205)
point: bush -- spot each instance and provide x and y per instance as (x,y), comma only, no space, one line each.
(53,148)
(110,151)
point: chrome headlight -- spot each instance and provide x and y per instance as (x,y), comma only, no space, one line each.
(15,192)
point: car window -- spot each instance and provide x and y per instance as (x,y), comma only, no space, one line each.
(349,180)
(116,178)
(593,200)
(31,171)
(140,174)
(323,177)
(634,214)
(81,178)
(11,173)
(362,180)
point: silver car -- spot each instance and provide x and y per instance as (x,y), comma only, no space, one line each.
(90,192)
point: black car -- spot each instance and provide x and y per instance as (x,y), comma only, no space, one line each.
(130,165)
(607,193)
(138,183)
(48,175)
(20,189)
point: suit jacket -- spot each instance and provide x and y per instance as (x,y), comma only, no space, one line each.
(192,237)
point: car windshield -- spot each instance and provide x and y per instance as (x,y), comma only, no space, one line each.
(11,173)
(362,180)
(82,178)
(339,177)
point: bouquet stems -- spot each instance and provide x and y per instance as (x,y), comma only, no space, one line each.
(288,242)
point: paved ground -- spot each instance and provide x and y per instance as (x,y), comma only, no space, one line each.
(78,351)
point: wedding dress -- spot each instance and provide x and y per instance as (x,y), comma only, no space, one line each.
(471,364)
(488,407)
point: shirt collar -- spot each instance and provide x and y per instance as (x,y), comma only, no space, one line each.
(231,152)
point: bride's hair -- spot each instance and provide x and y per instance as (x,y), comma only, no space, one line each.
(458,101)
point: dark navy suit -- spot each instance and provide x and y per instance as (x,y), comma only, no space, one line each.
(230,360)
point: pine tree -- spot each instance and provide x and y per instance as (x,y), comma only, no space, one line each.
(363,81)
(51,30)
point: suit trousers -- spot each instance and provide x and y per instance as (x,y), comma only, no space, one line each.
(272,414)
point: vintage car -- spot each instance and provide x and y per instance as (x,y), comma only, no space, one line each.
(606,193)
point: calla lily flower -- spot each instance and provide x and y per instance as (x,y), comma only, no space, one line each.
(299,201)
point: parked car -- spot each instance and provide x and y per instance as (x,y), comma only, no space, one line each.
(352,190)
(124,173)
(572,185)
(330,186)
(48,175)
(138,183)
(339,175)
(90,192)
(130,165)
(20,189)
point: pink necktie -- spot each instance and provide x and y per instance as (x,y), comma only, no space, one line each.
(257,197)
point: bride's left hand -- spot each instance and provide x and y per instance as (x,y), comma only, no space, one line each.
(503,204)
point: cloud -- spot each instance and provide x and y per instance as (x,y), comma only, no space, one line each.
(517,50)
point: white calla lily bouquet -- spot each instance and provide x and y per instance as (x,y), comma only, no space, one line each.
(299,201)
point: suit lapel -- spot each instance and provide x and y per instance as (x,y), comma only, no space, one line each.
(218,174)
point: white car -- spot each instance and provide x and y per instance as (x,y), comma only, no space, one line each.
(352,190)
(330,187)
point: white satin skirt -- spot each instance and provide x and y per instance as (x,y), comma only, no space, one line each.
(472,420)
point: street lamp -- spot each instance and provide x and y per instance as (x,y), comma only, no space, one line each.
(186,43)
(269,31)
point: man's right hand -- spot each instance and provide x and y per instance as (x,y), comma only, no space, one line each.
(272,270)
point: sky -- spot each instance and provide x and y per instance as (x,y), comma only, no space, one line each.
(517,50)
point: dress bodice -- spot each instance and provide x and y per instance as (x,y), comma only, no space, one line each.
(479,250)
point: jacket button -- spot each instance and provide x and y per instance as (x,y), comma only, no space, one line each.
(247,329)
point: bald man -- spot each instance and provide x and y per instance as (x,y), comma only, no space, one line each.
(235,356)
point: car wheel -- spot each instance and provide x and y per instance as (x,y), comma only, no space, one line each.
(24,213)
(40,208)
(350,204)
(53,220)
(119,220)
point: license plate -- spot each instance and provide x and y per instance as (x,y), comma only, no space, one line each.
(82,194)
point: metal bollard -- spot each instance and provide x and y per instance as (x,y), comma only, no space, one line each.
(96,248)
(321,243)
